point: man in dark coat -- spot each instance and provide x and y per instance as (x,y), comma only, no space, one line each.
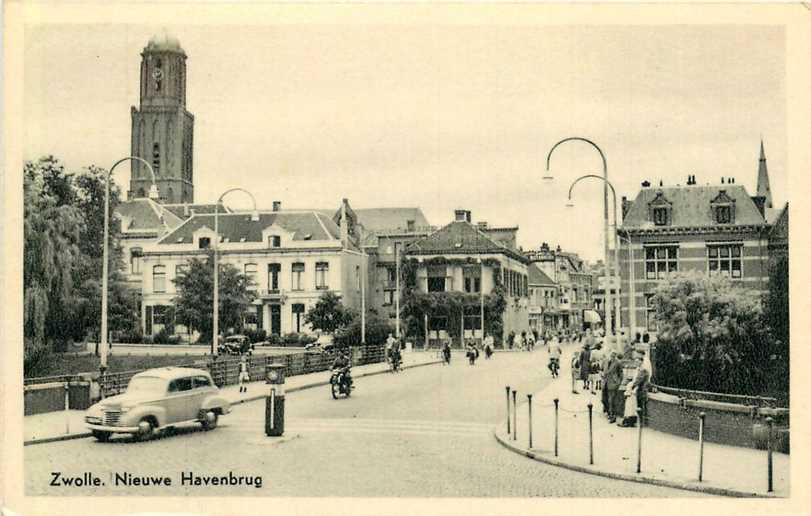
(641,383)
(585,366)
(606,365)
(613,381)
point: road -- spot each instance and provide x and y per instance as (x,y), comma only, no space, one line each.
(424,432)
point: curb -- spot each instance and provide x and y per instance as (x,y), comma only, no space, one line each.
(82,435)
(639,478)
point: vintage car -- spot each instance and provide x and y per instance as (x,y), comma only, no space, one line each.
(157,400)
(236,345)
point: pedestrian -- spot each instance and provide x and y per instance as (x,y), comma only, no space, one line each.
(641,384)
(520,341)
(608,361)
(613,380)
(531,341)
(511,339)
(575,371)
(595,379)
(244,377)
(585,366)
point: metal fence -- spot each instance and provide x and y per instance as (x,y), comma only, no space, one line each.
(738,399)
(225,370)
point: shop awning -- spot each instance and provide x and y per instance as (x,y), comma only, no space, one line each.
(591,316)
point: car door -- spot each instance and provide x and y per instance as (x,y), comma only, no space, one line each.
(203,387)
(181,403)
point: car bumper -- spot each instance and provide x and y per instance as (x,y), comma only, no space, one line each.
(114,429)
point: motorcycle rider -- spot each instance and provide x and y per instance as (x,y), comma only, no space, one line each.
(342,365)
(554,358)
(446,352)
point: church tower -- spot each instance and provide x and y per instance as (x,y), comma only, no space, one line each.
(162,129)
(763,189)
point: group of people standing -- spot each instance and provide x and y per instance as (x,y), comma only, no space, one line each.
(622,377)
(524,341)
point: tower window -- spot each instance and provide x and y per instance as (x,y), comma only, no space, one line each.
(660,216)
(156,157)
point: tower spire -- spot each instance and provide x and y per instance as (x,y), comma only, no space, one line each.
(763,189)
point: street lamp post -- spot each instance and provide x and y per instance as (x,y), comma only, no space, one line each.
(153,194)
(548,177)
(616,246)
(215,331)
(631,288)
(397,284)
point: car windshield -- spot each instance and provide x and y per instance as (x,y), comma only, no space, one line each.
(146,384)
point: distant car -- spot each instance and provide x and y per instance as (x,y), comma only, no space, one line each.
(236,345)
(156,400)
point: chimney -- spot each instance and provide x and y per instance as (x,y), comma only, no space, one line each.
(481,224)
(277,205)
(626,205)
(722,180)
(645,184)
(185,209)
(661,183)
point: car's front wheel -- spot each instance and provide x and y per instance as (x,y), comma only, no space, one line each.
(210,420)
(146,430)
(102,435)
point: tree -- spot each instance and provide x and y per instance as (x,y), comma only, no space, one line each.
(51,254)
(194,300)
(776,312)
(64,217)
(712,335)
(328,314)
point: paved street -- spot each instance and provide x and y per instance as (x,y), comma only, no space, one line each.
(432,426)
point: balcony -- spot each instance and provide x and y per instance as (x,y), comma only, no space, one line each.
(276,294)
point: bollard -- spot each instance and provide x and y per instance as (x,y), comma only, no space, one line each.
(591,440)
(639,443)
(67,408)
(515,417)
(770,422)
(701,417)
(274,402)
(529,406)
(556,400)
(508,410)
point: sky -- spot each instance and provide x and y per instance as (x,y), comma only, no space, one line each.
(434,116)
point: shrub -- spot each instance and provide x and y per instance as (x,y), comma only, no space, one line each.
(164,336)
(258,335)
(377,330)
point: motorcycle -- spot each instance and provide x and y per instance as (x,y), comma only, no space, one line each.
(554,366)
(472,355)
(395,362)
(446,355)
(340,383)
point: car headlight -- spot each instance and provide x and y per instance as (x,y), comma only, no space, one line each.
(124,409)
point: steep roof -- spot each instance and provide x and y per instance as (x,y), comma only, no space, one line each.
(145,214)
(305,225)
(380,219)
(539,277)
(184,211)
(461,237)
(763,188)
(691,206)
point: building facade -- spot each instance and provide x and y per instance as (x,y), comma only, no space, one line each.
(292,258)
(544,315)
(574,281)
(710,229)
(461,261)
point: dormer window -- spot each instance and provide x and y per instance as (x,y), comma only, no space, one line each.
(203,243)
(723,208)
(660,210)
(660,216)
(723,215)
(274,241)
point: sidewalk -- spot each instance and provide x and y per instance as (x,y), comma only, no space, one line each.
(667,460)
(69,424)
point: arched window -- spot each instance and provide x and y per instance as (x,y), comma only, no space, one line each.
(159,279)
(156,157)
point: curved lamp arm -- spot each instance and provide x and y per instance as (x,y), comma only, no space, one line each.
(579,139)
(594,176)
(153,190)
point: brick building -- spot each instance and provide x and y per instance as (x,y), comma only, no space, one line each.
(711,229)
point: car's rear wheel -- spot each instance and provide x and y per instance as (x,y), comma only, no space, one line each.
(146,430)
(102,435)
(210,420)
